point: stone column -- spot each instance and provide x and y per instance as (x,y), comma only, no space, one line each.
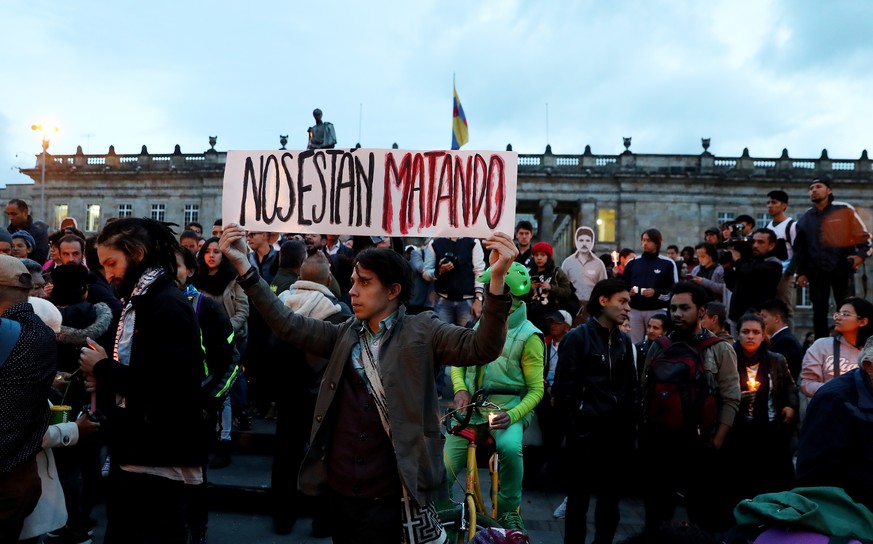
(547,221)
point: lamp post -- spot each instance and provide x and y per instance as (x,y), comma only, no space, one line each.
(45,146)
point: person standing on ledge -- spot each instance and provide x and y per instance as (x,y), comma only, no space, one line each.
(321,134)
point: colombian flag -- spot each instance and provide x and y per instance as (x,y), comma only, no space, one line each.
(459,123)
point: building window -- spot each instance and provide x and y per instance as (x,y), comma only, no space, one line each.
(192,213)
(92,217)
(762,220)
(61,211)
(606,225)
(724,217)
(802,300)
(159,212)
(125,210)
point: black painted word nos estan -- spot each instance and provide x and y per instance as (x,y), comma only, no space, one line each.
(335,187)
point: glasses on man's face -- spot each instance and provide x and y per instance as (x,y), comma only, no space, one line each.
(844,314)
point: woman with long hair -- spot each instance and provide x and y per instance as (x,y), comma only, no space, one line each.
(830,357)
(550,287)
(216,279)
(759,441)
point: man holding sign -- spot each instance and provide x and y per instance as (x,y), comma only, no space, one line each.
(376,447)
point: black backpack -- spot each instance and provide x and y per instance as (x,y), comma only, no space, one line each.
(677,396)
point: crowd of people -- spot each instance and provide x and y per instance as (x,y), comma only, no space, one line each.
(133,352)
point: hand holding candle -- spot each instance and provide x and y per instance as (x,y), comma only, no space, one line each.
(499,420)
(614,258)
(753,385)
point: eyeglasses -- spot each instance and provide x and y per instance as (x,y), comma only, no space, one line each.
(844,314)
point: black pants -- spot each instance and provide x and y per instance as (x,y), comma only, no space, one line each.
(20,490)
(145,509)
(597,466)
(365,521)
(820,286)
(675,464)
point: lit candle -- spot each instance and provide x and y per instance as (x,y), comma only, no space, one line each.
(753,385)
(614,258)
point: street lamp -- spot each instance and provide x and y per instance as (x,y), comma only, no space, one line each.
(45,146)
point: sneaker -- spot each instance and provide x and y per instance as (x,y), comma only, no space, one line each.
(511,520)
(561,511)
(65,536)
(104,470)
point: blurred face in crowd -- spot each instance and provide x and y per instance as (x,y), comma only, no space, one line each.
(182,272)
(684,313)
(5,248)
(19,248)
(622,261)
(17,216)
(710,323)
(655,329)
(257,240)
(558,330)
(615,308)
(761,244)
(846,320)
(313,242)
(672,253)
(190,244)
(703,258)
(751,336)
(818,192)
(540,259)
(649,246)
(772,323)
(38,288)
(212,256)
(775,207)
(196,229)
(70,252)
(217,230)
(120,270)
(524,237)
(711,238)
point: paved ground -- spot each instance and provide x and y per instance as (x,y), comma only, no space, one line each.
(537,508)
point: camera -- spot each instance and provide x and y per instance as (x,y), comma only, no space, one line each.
(450,258)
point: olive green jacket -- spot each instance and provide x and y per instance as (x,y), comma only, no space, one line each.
(409,356)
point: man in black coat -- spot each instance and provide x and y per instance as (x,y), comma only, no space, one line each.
(155,443)
(755,277)
(19,216)
(596,386)
(782,340)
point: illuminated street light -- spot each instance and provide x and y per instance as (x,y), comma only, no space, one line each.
(45,146)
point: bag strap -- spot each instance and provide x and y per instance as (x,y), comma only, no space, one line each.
(10,330)
(791,222)
(376,386)
(836,356)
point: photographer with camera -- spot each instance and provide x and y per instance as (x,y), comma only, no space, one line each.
(453,264)
(755,275)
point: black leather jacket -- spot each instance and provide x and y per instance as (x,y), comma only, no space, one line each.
(596,382)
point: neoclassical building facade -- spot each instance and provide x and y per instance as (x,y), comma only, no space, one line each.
(617,195)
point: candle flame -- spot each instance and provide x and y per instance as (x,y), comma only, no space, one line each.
(753,385)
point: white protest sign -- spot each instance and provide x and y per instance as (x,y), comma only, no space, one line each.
(388,192)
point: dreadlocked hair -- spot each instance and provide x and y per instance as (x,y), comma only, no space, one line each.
(155,240)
